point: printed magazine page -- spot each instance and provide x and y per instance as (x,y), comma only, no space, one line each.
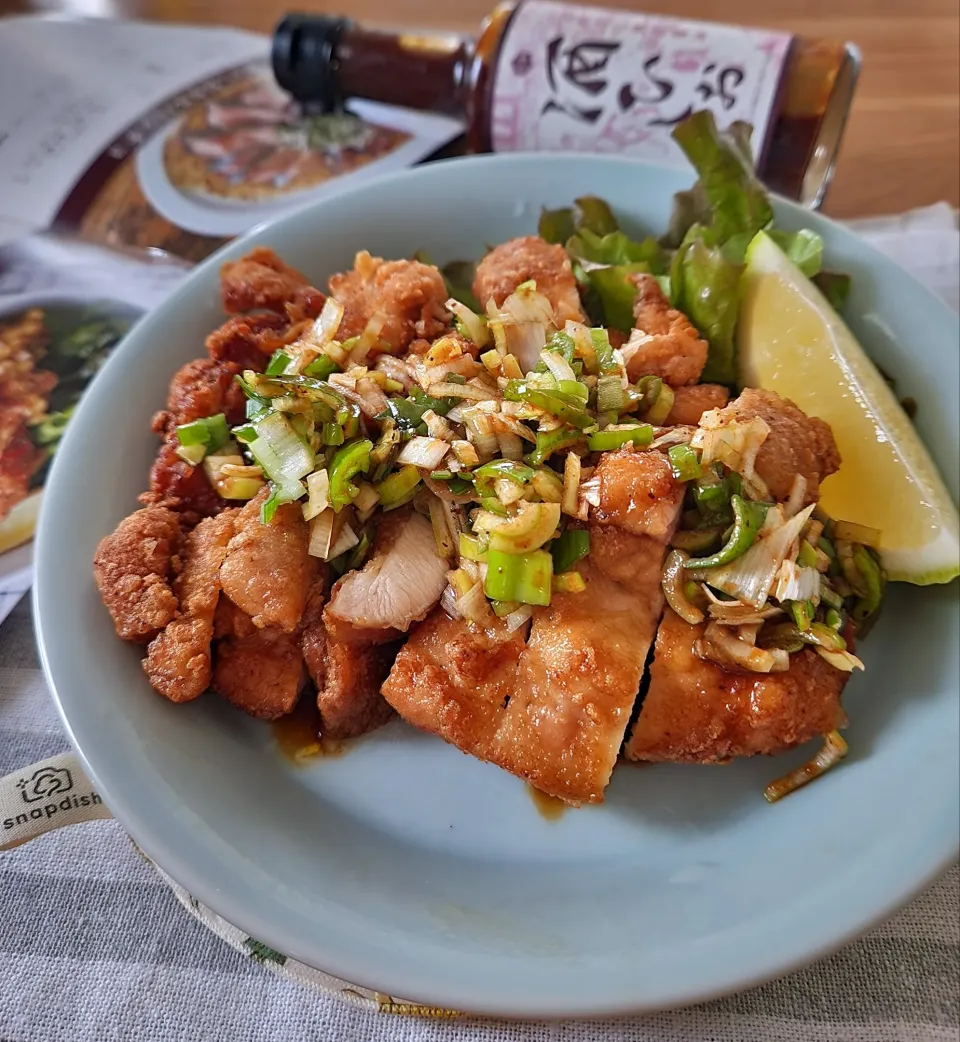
(129,151)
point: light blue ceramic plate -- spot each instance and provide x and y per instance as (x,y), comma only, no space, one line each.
(411,868)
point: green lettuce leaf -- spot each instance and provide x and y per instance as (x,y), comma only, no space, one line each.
(804,248)
(737,201)
(705,286)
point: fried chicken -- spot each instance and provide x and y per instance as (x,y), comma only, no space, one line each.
(178,662)
(248,341)
(518,260)
(698,712)
(796,444)
(260,281)
(664,342)
(177,485)
(348,676)
(260,673)
(199,389)
(692,401)
(267,569)
(133,568)
(403,579)
(454,680)
(409,297)
(638,493)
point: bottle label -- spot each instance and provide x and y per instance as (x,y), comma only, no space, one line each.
(594,80)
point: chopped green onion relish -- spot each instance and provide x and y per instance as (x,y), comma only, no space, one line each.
(210,431)
(684,463)
(617,437)
(569,548)
(398,488)
(526,578)
(747,519)
(347,462)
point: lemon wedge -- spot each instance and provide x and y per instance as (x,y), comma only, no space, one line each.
(791,341)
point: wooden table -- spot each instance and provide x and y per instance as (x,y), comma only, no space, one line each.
(901,148)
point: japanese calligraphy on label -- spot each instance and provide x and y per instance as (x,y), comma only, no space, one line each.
(593,80)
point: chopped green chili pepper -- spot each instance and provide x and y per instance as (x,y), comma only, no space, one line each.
(833,619)
(873,582)
(696,540)
(209,431)
(332,434)
(575,388)
(526,578)
(617,437)
(566,407)
(279,361)
(712,493)
(568,548)
(398,488)
(658,412)
(549,442)
(684,462)
(408,412)
(322,367)
(348,461)
(747,519)
(556,226)
(610,394)
(802,612)
(807,556)
(827,547)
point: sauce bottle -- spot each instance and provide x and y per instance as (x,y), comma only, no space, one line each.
(543,75)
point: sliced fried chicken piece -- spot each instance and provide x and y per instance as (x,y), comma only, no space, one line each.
(178,661)
(262,281)
(796,444)
(553,709)
(579,676)
(638,493)
(248,341)
(664,342)
(348,676)
(453,680)
(698,712)
(508,265)
(403,579)
(407,295)
(261,673)
(267,570)
(349,700)
(133,568)
(690,403)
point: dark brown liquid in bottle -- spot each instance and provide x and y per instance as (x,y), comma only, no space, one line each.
(456,77)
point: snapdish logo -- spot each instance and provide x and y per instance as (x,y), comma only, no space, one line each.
(43,784)
(44,787)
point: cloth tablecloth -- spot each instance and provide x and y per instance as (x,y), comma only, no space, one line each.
(94,946)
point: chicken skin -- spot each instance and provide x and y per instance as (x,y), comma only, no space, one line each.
(696,711)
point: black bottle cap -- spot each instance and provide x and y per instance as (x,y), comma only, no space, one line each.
(304,58)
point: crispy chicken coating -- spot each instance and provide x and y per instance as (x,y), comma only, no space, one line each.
(796,444)
(133,568)
(248,341)
(691,402)
(638,493)
(199,389)
(261,281)
(698,712)
(454,680)
(178,661)
(177,485)
(578,679)
(664,342)
(348,675)
(267,570)
(409,296)
(260,673)
(507,266)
